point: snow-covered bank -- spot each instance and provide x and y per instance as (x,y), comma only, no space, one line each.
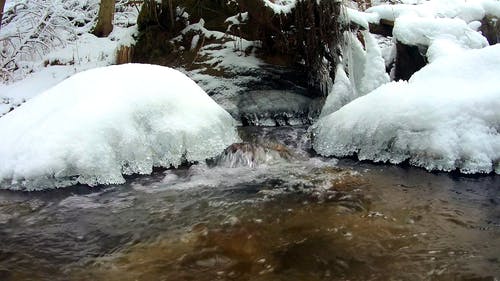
(105,122)
(445,117)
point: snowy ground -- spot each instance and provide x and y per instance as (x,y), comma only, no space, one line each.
(85,53)
(74,49)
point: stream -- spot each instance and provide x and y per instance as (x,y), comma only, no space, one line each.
(272,211)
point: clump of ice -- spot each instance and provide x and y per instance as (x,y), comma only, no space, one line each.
(35,34)
(443,47)
(374,73)
(341,94)
(445,117)
(105,122)
(365,72)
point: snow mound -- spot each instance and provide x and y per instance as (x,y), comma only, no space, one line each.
(445,117)
(102,123)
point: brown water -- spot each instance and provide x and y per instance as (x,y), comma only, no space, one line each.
(308,218)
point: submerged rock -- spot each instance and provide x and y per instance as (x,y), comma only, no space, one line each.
(251,155)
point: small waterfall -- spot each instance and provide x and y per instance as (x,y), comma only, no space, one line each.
(252,155)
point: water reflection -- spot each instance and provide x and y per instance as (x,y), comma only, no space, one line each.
(300,219)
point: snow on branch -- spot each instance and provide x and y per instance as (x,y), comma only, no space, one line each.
(33,28)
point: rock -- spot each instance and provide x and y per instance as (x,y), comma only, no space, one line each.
(409,59)
(251,155)
(490,27)
(384,28)
(275,108)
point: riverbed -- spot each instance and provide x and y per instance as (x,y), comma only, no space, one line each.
(292,216)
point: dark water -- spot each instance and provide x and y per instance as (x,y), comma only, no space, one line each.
(299,218)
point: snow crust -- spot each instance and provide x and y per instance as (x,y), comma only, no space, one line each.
(413,30)
(445,117)
(101,124)
(466,10)
(361,18)
(421,24)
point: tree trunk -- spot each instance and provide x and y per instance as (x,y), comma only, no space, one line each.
(2,5)
(104,19)
(171,8)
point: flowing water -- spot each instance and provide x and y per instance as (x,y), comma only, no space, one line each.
(264,210)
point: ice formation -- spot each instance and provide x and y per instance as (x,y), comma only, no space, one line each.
(445,117)
(366,70)
(341,94)
(274,108)
(102,123)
